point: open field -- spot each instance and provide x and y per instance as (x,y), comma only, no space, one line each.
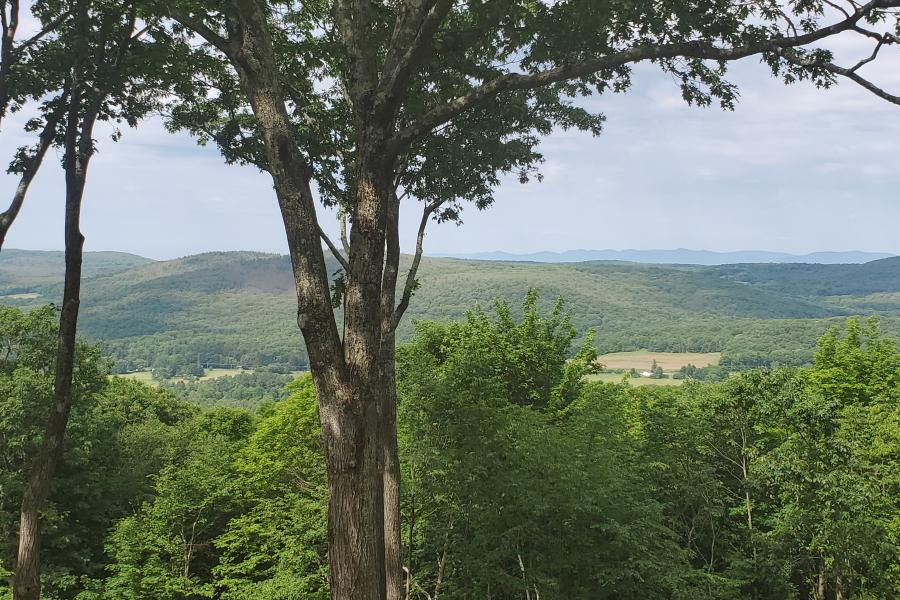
(147,376)
(669,361)
(142,376)
(216,373)
(26,296)
(633,381)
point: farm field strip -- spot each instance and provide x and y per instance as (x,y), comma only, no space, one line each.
(669,361)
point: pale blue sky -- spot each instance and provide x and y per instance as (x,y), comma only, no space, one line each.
(792,169)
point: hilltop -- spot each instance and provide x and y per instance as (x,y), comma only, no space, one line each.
(33,267)
(238,307)
(680,256)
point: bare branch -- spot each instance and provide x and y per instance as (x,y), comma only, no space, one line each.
(850,74)
(334,250)
(49,27)
(8,217)
(866,61)
(410,284)
(837,7)
(698,49)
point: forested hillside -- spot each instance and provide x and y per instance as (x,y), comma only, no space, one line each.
(25,268)
(517,474)
(238,308)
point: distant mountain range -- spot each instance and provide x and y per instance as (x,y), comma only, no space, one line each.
(680,256)
(240,307)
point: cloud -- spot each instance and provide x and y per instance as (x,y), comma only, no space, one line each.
(792,168)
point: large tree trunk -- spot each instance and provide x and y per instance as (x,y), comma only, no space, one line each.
(355,525)
(347,375)
(79,144)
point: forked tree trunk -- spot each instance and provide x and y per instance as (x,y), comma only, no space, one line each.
(27,577)
(346,374)
(353,376)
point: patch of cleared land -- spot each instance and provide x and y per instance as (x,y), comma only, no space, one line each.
(147,376)
(143,376)
(634,381)
(216,373)
(669,361)
(27,296)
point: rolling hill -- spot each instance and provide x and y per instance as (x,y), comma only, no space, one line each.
(26,268)
(680,256)
(238,307)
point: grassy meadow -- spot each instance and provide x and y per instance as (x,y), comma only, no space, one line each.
(669,361)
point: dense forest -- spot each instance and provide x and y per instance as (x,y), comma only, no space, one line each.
(519,478)
(238,308)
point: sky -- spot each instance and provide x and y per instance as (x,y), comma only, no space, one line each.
(792,169)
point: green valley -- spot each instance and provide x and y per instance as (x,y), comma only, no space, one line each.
(232,309)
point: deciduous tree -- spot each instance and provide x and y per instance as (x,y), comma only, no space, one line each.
(367,103)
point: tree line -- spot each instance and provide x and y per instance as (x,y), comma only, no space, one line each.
(520,479)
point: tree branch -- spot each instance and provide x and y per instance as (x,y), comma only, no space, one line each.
(410,284)
(33,164)
(697,49)
(342,217)
(353,21)
(411,43)
(850,74)
(334,250)
(222,43)
(52,25)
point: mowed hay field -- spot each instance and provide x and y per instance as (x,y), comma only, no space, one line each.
(633,381)
(147,376)
(669,361)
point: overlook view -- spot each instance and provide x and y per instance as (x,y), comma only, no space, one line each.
(431,300)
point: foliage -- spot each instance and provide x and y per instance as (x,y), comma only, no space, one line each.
(244,390)
(116,438)
(501,471)
(516,475)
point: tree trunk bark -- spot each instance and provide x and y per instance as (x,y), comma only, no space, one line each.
(843,589)
(348,384)
(393,559)
(820,588)
(79,144)
(355,521)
